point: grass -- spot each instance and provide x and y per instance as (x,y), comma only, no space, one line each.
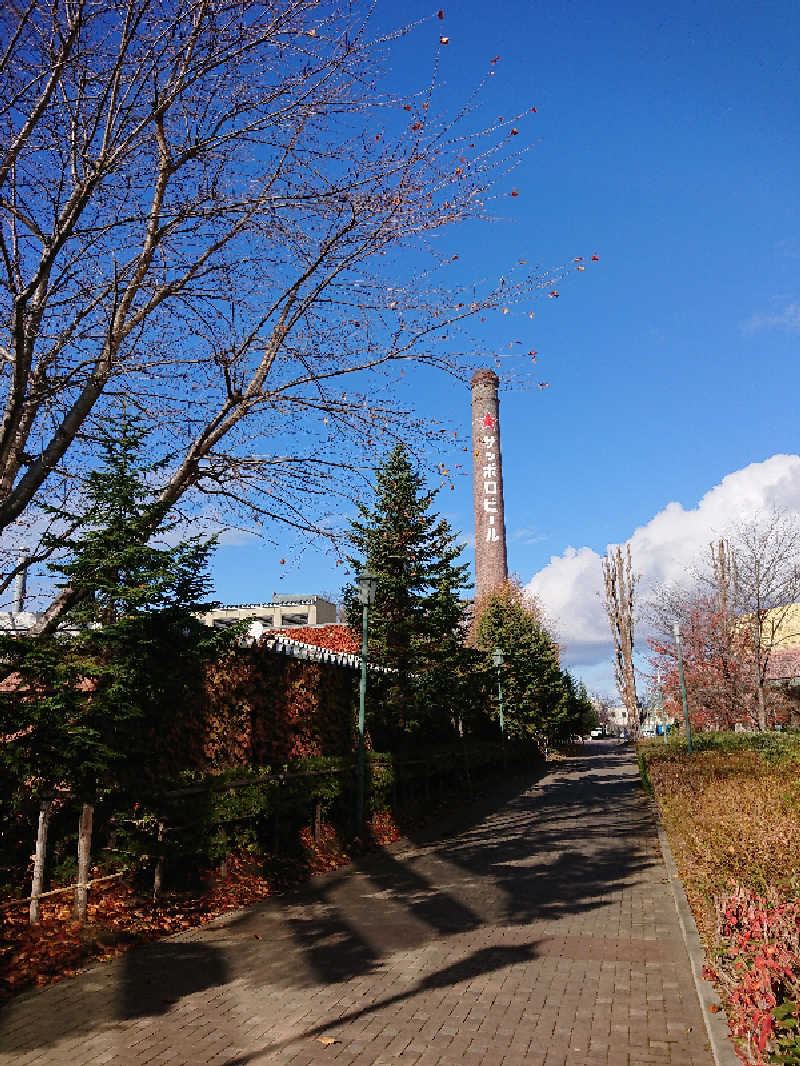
(731,811)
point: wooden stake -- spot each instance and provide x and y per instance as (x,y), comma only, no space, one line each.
(84,857)
(45,807)
(158,873)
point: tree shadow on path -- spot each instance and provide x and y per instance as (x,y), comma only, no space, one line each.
(540,849)
(478,964)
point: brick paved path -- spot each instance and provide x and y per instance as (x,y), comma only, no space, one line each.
(543,932)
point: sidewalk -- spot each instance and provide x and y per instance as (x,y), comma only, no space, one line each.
(542,932)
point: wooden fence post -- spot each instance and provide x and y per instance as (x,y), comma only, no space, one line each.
(84,856)
(45,807)
(158,872)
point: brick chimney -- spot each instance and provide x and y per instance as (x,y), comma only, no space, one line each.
(491,563)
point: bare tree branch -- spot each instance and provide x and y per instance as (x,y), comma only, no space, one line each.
(620,585)
(170,161)
(735,616)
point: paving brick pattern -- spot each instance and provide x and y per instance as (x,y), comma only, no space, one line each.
(539,929)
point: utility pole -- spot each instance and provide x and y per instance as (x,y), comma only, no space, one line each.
(676,629)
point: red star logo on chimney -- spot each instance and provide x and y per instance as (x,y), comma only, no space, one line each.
(488,421)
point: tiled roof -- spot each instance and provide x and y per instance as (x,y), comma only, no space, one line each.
(333,637)
(784,664)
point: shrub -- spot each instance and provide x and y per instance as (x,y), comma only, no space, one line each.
(731,812)
(203,816)
(757,964)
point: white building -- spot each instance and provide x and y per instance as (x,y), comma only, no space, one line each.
(618,718)
(18,621)
(279,613)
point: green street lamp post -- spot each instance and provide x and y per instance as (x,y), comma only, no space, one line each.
(676,629)
(498,658)
(367,584)
(662,714)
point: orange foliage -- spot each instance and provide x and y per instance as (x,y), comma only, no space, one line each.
(716,662)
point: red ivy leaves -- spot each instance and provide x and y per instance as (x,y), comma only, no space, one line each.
(758,967)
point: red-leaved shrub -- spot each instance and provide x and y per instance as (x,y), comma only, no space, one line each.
(757,968)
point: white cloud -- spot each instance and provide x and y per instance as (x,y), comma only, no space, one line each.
(670,544)
(527,535)
(232,537)
(787,319)
(568,589)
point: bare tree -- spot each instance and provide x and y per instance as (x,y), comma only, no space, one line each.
(602,708)
(620,585)
(725,576)
(715,656)
(734,615)
(767,554)
(203,208)
(722,637)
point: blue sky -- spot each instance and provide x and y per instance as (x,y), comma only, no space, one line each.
(665,140)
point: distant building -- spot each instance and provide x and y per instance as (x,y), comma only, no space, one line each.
(618,718)
(782,626)
(281,612)
(18,621)
(783,672)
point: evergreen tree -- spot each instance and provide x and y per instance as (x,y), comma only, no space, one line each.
(533,685)
(417,624)
(130,649)
(575,714)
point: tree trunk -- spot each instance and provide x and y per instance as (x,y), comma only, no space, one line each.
(84,856)
(45,807)
(158,873)
(620,584)
(760,671)
(762,707)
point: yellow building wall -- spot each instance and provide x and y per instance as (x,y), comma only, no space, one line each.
(787,622)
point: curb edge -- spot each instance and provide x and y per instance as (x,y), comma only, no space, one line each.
(716,1021)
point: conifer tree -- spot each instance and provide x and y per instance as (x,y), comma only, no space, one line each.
(89,699)
(418,622)
(574,715)
(133,634)
(533,686)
